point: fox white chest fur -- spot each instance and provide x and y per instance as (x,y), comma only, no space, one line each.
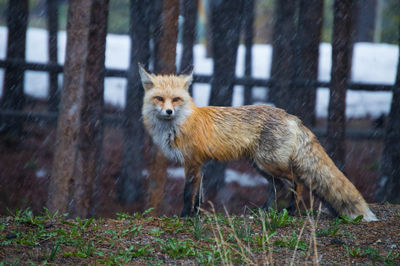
(163,134)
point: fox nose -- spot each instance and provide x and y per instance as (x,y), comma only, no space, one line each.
(169,112)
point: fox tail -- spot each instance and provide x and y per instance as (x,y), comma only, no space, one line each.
(317,171)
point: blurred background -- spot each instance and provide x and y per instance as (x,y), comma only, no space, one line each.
(71,135)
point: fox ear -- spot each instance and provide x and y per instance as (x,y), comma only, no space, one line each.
(187,75)
(146,78)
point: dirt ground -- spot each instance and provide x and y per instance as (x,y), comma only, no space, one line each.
(140,240)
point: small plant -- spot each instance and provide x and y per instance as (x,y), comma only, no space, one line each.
(332,230)
(353,252)
(156,232)
(123,216)
(373,254)
(389,258)
(178,248)
(51,254)
(83,224)
(142,215)
(261,240)
(347,220)
(132,230)
(291,242)
(25,216)
(198,228)
(275,219)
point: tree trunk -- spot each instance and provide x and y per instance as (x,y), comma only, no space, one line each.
(366,18)
(77,162)
(165,64)
(13,93)
(283,42)
(207,28)
(342,50)
(168,39)
(155,24)
(225,26)
(130,182)
(306,60)
(389,184)
(52,27)
(248,41)
(189,13)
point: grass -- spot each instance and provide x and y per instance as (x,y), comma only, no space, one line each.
(268,237)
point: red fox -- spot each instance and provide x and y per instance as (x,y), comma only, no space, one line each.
(275,141)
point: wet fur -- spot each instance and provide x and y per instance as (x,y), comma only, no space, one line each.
(277,143)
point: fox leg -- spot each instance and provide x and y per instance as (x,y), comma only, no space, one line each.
(275,185)
(296,198)
(192,182)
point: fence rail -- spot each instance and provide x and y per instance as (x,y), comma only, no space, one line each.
(244,81)
(117,120)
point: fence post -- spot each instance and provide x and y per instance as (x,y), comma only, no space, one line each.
(165,64)
(130,183)
(306,60)
(282,55)
(342,50)
(76,163)
(189,14)
(225,28)
(52,26)
(248,11)
(13,90)
(389,184)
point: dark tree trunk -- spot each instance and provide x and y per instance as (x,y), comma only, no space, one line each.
(306,60)
(389,184)
(52,26)
(130,182)
(155,23)
(13,93)
(208,30)
(248,21)
(77,158)
(226,19)
(366,18)
(165,64)
(283,42)
(168,38)
(342,50)
(89,159)
(189,13)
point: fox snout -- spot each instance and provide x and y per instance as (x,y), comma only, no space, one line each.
(167,113)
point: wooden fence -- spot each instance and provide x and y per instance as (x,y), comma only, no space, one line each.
(247,82)
(16,63)
(12,102)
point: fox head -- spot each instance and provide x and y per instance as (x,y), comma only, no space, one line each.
(166,96)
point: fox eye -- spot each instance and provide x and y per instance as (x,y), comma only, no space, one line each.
(176,99)
(159,98)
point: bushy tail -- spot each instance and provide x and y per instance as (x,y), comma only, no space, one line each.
(316,170)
